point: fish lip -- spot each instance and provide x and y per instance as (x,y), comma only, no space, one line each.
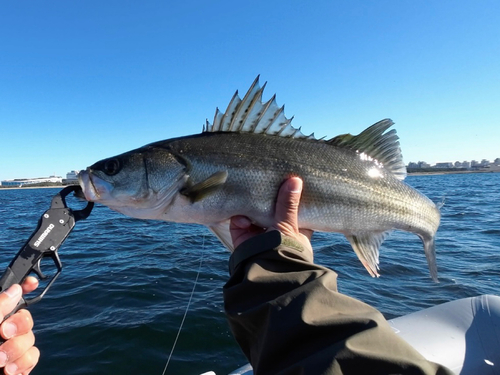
(88,187)
(92,185)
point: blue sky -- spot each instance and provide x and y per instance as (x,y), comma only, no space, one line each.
(84,80)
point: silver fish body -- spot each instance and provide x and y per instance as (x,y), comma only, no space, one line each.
(352,184)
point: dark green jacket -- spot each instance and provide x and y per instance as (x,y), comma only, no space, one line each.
(288,317)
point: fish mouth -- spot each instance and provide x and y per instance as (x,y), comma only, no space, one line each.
(90,191)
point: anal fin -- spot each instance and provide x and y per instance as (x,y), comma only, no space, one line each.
(366,246)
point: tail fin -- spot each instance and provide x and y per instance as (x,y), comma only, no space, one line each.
(430,254)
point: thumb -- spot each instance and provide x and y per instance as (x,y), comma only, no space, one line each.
(287,206)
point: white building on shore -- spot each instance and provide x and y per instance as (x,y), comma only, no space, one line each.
(19,182)
(71,178)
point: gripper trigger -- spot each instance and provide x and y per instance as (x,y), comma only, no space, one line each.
(38,270)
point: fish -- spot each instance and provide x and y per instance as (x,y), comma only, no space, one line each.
(352,184)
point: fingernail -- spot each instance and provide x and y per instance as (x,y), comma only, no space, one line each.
(9,330)
(11,369)
(14,291)
(3,358)
(295,185)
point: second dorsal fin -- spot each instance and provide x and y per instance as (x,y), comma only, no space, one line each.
(377,144)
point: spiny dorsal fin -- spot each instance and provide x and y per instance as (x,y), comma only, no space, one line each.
(251,115)
(375,143)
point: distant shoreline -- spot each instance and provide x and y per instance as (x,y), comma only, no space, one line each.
(448,172)
(33,187)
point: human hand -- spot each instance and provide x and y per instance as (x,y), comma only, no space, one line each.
(17,353)
(285,218)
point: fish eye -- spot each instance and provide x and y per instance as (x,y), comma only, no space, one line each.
(112,167)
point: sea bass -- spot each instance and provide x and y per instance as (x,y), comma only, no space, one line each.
(352,184)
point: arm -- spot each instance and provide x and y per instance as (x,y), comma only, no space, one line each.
(288,317)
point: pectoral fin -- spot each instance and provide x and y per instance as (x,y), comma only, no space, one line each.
(221,230)
(366,247)
(206,187)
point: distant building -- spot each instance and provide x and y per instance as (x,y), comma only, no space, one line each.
(71,178)
(31,181)
(462,165)
(443,165)
(465,165)
(420,164)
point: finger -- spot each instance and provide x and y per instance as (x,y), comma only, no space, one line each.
(9,299)
(287,206)
(239,222)
(238,227)
(13,349)
(24,364)
(18,324)
(242,229)
(29,284)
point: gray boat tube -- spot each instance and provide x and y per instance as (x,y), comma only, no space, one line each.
(463,335)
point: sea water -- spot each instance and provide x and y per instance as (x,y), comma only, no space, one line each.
(118,304)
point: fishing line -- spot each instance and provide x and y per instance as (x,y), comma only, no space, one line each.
(187,307)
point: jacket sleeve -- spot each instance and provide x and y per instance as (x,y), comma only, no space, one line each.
(287,316)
